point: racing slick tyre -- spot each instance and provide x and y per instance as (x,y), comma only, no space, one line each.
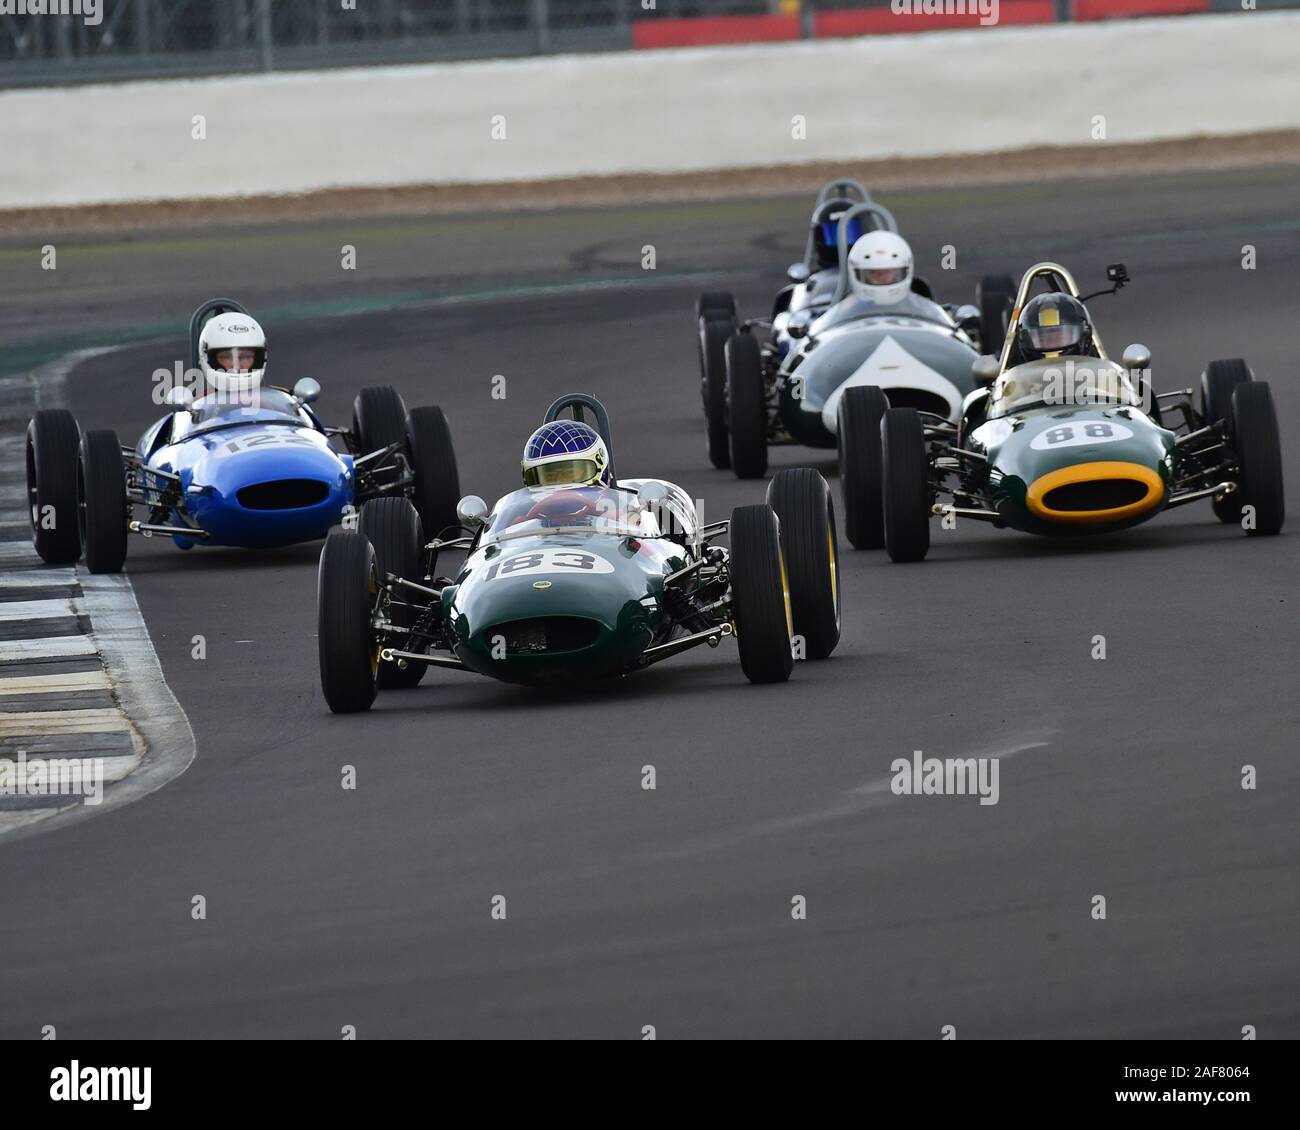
(346,585)
(52,441)
(378,419)
(1217,384)
(995,294)
(906,490)
(714,332)
(102,511)
(746,407)
(1259,454)
(803,504)
(760,596)
(716,304)
(861,409)
(392,526)
(433,463)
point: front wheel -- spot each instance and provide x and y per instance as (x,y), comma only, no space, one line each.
(746,407)
(760,596)
(102,511)
(858,439)
(392,527)
(53,439)
(1218,383)
(346,588)
(906,485)
(378,420)
(802,502)
(1259,454)
(433,463)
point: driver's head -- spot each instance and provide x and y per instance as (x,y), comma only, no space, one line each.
(880,268)
(232,354)
(826,232)
(565,453)
(1054,324)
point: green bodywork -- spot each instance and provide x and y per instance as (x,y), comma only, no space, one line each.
(1031,443)
(618,600)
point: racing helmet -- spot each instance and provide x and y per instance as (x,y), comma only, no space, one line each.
(1053,324)
(825,232)
(880,268)
(565,453)
(232,355)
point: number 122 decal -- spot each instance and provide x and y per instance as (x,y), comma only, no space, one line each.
(549,561)
(1080,435)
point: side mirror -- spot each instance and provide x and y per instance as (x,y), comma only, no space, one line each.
(1136,357)
(967,317)
(798,325)
(984,370)
(472,512)
(797,272)
(651,494)
(179,399)
(306,390)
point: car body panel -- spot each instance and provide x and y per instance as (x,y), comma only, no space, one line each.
(613,582)
(928,363)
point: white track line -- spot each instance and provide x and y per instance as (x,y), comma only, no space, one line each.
(38,578)
(12,551)
(45,722)
(55,684)
(36,609)
(48,647)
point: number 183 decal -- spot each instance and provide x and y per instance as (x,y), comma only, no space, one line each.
(549,561)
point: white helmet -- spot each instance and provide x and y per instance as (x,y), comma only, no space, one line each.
(880,267)
(232,354)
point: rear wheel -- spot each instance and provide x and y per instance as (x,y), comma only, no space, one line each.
(1218,382)
(995,295)
(101,502)
(52,442)
(906,485)
(392,526)
(746,407)
(346,587)
(714,333)
(378,419)
(760,596)
(1259,454)
(716,304)
(802,502)
(861,409)
(433,463)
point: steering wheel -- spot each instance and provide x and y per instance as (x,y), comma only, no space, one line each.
(562,504)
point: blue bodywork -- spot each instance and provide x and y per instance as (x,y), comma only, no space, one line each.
(250,477)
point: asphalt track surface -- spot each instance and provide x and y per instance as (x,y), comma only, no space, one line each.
(1119,777)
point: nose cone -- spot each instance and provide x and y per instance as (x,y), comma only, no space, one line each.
(550,627)
(267,487)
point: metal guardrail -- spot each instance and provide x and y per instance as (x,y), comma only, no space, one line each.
(97,40)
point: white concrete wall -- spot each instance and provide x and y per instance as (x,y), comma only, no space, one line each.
(654,111)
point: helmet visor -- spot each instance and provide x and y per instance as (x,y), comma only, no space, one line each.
(236,359)
(1052,339)
(561,472)
(880,276)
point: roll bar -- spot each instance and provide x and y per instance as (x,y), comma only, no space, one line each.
(1059,280)
(884,221)
(581,403)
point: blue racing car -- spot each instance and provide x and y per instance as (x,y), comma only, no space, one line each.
(244,464)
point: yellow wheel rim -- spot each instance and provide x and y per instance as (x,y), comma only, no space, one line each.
(785,599)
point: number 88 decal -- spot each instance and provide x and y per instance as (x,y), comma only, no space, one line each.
(1080,435)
